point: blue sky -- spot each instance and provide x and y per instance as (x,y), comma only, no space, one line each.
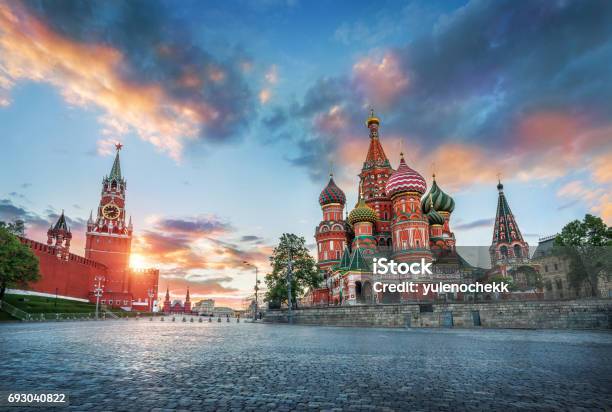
(230,115)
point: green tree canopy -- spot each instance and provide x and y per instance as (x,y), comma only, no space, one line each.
(587,244)
(304,273)
(18,264)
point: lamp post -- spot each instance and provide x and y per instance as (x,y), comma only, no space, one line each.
(150,294)
(256,288)
(289,277)
(98,290)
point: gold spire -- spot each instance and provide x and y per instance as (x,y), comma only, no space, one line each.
(372,119)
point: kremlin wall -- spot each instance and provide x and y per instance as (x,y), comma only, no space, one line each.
(107,255)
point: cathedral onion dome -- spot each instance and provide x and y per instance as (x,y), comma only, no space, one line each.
(372,119)
(439,200)
(434,217)
(362,213)
(405,179)
(332,194)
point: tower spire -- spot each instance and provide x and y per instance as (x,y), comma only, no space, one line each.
(116,169)
(508,243)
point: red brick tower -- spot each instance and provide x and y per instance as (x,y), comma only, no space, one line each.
(373,178)
(187,307)
(410,226)
(331,234)
(58,236)
(108,238)
(167,302)
(508,246)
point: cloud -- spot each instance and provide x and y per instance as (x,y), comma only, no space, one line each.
(276,119)
(37,224)
(132,61)
(598,199)
(251,238)
(381,80)
(476,224)
(477,96)
(195,226)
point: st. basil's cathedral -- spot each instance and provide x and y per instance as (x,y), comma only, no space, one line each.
(396,218)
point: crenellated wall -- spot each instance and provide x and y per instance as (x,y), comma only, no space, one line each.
(574,314)
(73,276)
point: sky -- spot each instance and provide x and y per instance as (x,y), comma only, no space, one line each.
(232,115)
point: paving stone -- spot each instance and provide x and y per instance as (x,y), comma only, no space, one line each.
(157,366)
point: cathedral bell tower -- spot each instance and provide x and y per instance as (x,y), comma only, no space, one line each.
(109,238)
(331,234)
(373,178)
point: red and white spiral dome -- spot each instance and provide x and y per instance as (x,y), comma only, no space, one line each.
(405,179)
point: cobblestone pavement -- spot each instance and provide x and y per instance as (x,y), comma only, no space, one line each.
(138,365)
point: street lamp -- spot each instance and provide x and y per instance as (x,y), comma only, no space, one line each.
(256,288)
(289,276)
(98,291)
(150,293)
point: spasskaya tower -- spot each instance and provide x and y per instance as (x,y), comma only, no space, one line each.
(109,238)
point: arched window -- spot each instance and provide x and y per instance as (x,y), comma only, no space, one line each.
(517,251)
(504,251)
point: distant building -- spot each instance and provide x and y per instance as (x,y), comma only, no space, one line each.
(176,306)
(204,307)
(223,311)
(554,270)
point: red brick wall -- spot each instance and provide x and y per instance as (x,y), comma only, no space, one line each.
(73,277)
(140,281)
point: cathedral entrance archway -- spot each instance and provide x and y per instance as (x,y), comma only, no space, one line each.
(359,291)
(366,291)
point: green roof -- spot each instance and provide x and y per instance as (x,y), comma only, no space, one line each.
(116,170)
(346,259)
(358,263)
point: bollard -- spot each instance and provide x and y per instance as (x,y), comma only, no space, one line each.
(172,318)
(210,319)
(191,320)
(200,320)
(151,320)
(237,320)
(184,320)
(219,319)
(228,320)
(162,318)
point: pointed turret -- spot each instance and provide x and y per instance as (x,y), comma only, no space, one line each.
(187,307)
(116,169)
(346,259)
(59,237)
(507,245)
(376,156)
(167,301)
(358,263)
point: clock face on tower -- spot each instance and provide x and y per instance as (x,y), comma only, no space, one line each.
(110,211)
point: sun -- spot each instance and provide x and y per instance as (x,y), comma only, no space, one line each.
(138,261)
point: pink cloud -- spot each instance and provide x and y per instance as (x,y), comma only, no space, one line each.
(381,81)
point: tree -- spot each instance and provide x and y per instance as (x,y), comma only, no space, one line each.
(17,228)
(587,246)
(533,279)
(304,273)
(18,264)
